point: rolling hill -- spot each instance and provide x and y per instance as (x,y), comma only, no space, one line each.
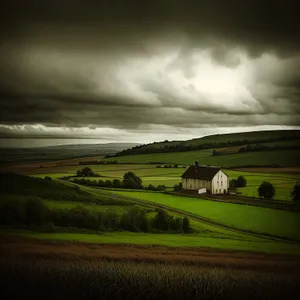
(264,140)
(261,148)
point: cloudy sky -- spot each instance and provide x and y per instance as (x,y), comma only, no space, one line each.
(140,71)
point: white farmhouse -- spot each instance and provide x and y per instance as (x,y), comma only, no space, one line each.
(213,179)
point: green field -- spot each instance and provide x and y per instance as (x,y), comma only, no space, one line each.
(283,183)
(257,219)
(171,240)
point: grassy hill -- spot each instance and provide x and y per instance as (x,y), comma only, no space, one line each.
(288,157)
(277,139)
(21,186)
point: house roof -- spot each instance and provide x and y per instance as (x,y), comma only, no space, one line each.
(201,172)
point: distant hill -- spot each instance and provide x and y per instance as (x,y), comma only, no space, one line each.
(18,155)
(231,143)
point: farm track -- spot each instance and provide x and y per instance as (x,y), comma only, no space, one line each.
(203,219)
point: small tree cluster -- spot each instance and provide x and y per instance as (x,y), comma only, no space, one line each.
(177,187)
(239,182)
(86,172)
(165,222)
(151,187)
(266,190)
(132,181)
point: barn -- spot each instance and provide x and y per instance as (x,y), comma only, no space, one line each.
(205,178)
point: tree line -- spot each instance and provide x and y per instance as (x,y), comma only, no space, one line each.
(34,212)
(130,181)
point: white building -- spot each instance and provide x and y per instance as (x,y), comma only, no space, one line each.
(213,179)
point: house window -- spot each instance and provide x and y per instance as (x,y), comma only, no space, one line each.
(221,182)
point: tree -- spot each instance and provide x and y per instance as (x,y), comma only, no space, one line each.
(135,219)
(117,183)
(241,181)
(86,171)
(108,183)
(296,192)
(233,183)
(266,190)
(48,178)
(161,220)
(132,181)
(177,187)
(161,187)
(186,225)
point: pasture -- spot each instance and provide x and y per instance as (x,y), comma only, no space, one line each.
(257,219)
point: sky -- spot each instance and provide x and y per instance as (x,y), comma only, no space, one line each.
(144,71)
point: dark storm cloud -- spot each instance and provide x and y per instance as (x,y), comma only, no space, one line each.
(84,63)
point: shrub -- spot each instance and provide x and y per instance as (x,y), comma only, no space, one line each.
(36,211)
(186,225)
(266,190)
(241,181)
(135,219)
(161,187)
(233,183)
(296,192)
(117,183)
(130,176)
(161,220)
(48,178)
(177,187)
(108,183)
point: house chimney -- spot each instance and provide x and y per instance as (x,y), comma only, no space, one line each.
(196,163)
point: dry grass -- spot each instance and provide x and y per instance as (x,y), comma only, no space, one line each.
(17,248)
(35,270)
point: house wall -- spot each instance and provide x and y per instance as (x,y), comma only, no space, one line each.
(220,183)
(195,184)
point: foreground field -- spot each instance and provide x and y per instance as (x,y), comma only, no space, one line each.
(41,270)
(171,240)
(257,219)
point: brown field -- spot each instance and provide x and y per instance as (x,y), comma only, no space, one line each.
(16,248)
(283,170)
(49,165)
(230,150)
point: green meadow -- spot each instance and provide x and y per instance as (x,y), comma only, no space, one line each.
(257,219)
